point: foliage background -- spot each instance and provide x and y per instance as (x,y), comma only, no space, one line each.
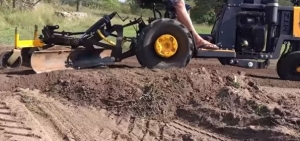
(203,11)
(26,13)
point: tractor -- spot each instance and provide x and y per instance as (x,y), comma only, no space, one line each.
(249,33)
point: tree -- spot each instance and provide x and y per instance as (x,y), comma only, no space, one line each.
(19,4)
(204,10)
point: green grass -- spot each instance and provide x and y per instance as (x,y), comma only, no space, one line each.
(44,14)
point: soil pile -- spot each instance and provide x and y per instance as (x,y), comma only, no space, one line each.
(159,92)
(218,101)
(147,93)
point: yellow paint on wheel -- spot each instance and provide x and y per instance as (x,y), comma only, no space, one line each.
(298,69)
(166,45)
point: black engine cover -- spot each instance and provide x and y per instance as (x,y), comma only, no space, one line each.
(258,38)
(251,32)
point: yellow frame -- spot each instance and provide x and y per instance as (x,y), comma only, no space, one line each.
(36,42)
(296,22)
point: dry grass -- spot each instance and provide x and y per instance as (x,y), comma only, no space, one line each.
(44,14)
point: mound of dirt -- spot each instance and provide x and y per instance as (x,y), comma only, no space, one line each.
(228,104)
(148,93)
(243,115)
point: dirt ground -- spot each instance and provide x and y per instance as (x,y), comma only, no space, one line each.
(203,102)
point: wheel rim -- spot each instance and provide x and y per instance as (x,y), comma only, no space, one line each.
(166,46)
(5,58)
(298,69)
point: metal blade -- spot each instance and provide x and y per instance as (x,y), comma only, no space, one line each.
(53,60)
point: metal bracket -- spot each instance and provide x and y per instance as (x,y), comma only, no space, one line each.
(249,63)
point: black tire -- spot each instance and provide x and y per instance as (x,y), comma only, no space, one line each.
(138,56)
(4,56)
(287,64)
(145,45)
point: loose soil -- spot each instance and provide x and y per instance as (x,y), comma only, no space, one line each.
(205,101)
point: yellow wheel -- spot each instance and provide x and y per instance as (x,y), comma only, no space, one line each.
(166,46)
(4,56)
(165,43)
(298,69)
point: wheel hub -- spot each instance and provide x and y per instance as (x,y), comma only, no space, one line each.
(298,69)
(166,45)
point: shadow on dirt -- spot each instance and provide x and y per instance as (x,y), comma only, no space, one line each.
(262,77)
(30,71)
(122,66)
(20,72)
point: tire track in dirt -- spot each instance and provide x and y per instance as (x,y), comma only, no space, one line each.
(65,122)
(157,94)
(209,108)
(12,128)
